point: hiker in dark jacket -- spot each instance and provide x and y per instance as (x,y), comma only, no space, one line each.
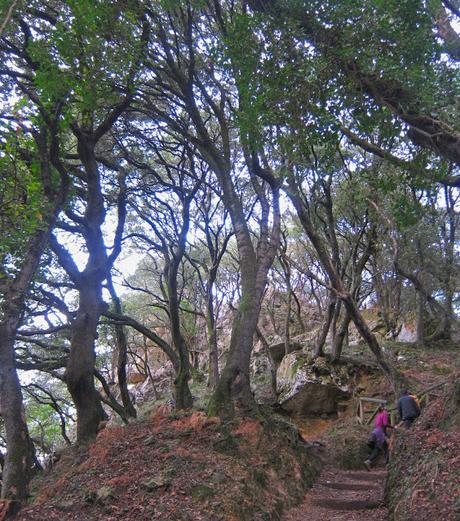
(378,444)
(408,409)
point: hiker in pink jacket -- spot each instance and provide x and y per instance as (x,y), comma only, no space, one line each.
(382,418)
(378,444)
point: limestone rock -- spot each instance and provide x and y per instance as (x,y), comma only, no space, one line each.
(311,387)
(408,333)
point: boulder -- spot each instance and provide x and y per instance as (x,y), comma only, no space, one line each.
(408,333)
(277,350)
(312,387)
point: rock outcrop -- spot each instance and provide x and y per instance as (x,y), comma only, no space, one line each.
(308,386)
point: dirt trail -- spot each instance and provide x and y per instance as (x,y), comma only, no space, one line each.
(343,495)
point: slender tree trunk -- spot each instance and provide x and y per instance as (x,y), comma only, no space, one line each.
(397,380)
(449,229)
(122,356)
(382,297)
(213,367)
(287,322)
(182,395)
(335,320)
(420,319)
(420,296)
(326,325)
(396,300)
(449,305)
(299,313)
(122,359)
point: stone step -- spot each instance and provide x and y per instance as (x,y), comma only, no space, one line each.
(343,504)
(350,486)
(366,475)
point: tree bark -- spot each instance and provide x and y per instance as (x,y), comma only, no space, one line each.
(326,325)
(213,368)
(212,132)
(234,391)
(80,368)
(19,458)
(339,337)
(448,232)
(122,355)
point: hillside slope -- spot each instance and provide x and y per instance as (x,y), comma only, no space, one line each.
(424,474)
(186,468)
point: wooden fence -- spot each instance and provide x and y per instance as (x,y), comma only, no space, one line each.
(368,407)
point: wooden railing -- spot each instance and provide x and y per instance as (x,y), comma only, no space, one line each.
(365,415)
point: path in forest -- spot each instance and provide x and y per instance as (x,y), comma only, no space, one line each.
(343,495)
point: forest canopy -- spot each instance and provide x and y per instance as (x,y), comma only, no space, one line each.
(171,168)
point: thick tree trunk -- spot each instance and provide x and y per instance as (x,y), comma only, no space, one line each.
(254,262)
(81,365)
(233,391)
(339,338)
(182,396)
(80,368)
(19,457)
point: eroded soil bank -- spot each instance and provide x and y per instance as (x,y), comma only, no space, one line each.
(181,468)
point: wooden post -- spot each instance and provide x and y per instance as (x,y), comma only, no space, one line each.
(373,415)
